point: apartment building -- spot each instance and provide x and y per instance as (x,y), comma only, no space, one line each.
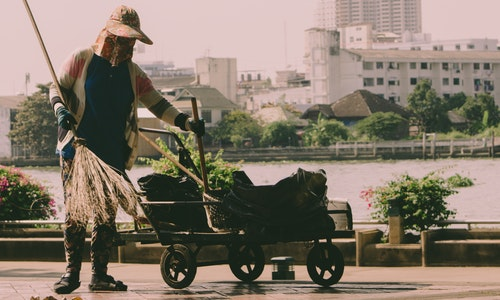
(396,16)
(335,72)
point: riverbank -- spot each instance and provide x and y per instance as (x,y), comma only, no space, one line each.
(386,150)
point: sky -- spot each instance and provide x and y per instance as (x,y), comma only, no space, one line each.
(265,35)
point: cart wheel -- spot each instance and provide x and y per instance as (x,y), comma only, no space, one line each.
(246,261)
(178,266)
(325,264)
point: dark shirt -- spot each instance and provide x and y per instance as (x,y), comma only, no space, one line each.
(109,98)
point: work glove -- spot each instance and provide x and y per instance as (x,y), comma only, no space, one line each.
(198,127)
(64,118)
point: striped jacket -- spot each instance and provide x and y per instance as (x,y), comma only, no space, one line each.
(72,78)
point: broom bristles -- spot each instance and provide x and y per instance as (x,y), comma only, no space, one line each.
(94,187)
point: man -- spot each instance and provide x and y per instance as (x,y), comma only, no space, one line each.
(101,89)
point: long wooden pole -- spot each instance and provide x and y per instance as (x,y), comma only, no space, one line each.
(200,146)
(47,59)
(44,49)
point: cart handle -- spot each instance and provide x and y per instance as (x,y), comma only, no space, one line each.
(171,158)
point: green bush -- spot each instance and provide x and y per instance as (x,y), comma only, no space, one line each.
(383,126)
(422,201)
(219,172)
(325,133)
(22,198)
(458,180)
(279,134)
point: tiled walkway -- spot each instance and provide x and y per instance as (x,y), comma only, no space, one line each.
(28,280)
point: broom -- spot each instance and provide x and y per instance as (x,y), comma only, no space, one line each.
(92,185)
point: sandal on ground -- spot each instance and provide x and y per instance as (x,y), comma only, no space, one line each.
(106,283)
(67,284)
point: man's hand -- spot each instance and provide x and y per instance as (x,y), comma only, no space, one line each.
(64,118)
(198,127)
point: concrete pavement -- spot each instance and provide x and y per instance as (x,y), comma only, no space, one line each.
(27,280)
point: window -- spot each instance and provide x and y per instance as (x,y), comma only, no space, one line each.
(456,81)
(477,66)
(457,47)
(413,81)
(424,66)
(393,65)
(413,65)
(445,66)
(393,82)
(470,46)
(486,66)
(488,85)
(477,84)
(393,99)
(367,65)
(368,82)
(380,65)
(206,115)
(446,81)
(380,81)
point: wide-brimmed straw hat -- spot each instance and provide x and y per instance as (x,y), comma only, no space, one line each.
(124,21)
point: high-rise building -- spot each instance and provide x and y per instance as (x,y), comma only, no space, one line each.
(396,16)
(324,14)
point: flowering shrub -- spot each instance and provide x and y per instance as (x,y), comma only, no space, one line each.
(21,198)
(422,203)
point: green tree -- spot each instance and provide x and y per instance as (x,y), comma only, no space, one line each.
(429,110)
(482,112)
(34,125)
(324,132)
(456,101)
(279,134)
(235,127)
(384,126)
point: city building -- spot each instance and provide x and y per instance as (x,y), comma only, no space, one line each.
(322,70)
(9,106)
(395,16)
(162,69)
(212,104)
(393,74)
(219,73)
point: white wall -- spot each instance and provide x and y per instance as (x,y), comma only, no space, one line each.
(5,145)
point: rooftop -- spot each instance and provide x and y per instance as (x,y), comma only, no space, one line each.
(428,55)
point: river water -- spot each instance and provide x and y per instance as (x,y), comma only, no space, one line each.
(346,179)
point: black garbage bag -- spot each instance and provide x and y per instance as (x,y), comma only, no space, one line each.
(295,203)
(161,187)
